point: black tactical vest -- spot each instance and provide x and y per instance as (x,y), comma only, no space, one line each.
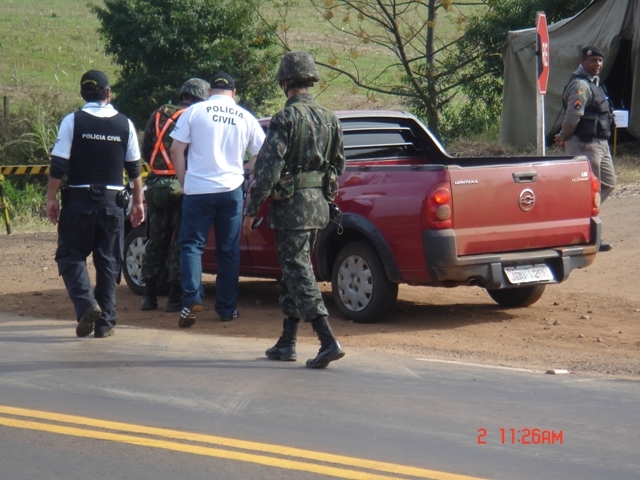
(98,150)
(597,121)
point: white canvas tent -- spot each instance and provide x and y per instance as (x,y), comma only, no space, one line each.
(612,25)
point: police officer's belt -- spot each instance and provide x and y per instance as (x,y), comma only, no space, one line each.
(100,192)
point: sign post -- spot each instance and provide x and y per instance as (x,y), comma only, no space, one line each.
(542,52)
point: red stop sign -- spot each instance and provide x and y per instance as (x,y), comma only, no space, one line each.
(542,52)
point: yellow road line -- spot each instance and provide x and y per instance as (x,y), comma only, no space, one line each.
(193,449)
(220,441)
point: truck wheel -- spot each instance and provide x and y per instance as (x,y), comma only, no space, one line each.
(517,297)
(134,245)
(361,290)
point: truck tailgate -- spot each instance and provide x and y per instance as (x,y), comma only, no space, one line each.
(513,207)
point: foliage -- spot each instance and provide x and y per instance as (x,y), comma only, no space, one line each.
(478,51)
(26,202)
(408,32)
(27,136)
(456,73)
(159,44)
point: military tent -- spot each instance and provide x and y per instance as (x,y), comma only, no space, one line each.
(612,25)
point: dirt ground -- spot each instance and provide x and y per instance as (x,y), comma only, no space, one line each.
(588,325)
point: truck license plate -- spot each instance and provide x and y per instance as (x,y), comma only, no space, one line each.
(538,273)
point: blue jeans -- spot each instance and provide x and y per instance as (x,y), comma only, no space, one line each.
(199,212)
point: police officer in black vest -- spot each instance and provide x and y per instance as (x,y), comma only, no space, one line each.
(588,122)
(93,148)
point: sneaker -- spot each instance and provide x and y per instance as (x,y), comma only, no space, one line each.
(105,334)
(233,316)
(88,318)
(188,317)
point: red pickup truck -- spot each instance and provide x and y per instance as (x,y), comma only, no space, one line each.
(413,214)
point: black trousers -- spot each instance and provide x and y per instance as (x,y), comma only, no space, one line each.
(87,227)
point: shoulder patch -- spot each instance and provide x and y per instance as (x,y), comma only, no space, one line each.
(579,91)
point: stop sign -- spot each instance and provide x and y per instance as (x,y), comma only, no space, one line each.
(542,52)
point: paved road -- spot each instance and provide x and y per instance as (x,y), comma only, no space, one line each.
(151,404)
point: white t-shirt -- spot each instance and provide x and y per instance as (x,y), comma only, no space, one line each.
(62,148)
(219,133)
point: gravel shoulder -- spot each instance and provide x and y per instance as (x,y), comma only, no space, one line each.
(588,325)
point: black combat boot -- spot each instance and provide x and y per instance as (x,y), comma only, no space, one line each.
(149,298)
(285,348)
(174,300)
(330,349)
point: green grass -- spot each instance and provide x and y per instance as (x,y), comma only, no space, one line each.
(46,45)
(27,206)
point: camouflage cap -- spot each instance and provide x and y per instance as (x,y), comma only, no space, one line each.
(297,65)
(195,86)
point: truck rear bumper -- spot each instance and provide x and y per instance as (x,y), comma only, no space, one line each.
(487,270)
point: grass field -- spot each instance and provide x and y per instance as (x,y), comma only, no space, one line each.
(46,45)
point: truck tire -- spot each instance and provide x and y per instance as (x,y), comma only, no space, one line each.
(361,290)
(134,245)
(517,297)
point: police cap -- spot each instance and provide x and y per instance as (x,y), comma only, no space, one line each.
(592,51)
(93,81)
(222,81)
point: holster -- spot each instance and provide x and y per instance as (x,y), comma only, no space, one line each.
(97,192)
(122,198)
(64,195)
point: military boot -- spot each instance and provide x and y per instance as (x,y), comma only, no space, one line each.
(330,349)
(285,347)
(149,298)
(174,300)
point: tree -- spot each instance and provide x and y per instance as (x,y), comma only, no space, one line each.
(159,44)
(481,80)
(408,30)
(457,73)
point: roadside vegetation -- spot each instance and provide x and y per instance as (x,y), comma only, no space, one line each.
(45,47)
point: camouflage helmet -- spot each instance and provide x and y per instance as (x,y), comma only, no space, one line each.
(197,87)
(297,66)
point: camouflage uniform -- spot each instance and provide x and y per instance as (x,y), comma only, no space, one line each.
(164,198)
(303,149)
(164,210)
(298,219)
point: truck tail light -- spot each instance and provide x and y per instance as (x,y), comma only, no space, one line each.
(437,208)
(595,195)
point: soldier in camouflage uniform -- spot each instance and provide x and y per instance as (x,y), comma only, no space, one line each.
(164,198)
(303,140)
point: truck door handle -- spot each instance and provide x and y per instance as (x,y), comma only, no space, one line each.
(525,177)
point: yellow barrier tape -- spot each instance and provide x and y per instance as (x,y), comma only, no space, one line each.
(25,170)
(44,169)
